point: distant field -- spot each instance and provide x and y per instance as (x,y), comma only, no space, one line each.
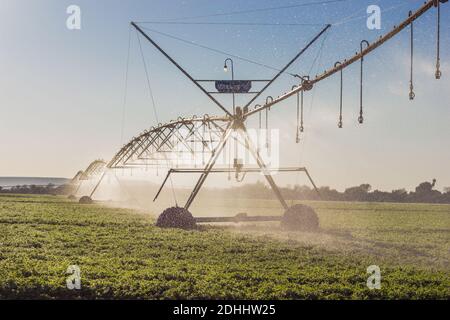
(122,255)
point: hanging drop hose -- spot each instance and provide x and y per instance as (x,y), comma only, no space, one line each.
(259,131)
(361,117)
(260,117)
(340,99)
(269,99)
(229,161)
(438,60)
(236,157)
(267,128)
(412,95)
(305,80)
(297,131)
(260,121)
(203,141)
(300,127)
(301,112)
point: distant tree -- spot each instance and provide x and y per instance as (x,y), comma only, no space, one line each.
(425,193)
(399,192)
(425,187)
(65,189)
(399,195)
(326,193)
(380,196)
(366,187)
(357,193)
(446,195)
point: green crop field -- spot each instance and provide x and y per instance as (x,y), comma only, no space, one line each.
(122,255)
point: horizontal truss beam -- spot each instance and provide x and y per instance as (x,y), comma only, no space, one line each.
(230,170)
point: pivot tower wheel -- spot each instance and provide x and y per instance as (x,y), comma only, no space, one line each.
(176,217)
(300,218)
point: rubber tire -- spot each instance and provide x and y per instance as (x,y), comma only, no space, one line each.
(86,200)
(300,218)
(176,217)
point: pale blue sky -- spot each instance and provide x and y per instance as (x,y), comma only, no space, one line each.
(61,91)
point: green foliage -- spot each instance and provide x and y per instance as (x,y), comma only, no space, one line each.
(123,255)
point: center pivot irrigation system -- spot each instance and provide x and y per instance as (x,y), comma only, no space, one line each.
(153,147)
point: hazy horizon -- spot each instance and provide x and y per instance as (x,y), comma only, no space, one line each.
(14,181)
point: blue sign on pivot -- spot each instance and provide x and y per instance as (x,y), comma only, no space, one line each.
(233,86)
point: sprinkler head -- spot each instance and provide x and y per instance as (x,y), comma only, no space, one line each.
(411,92)
(438,74)
(340,124)
(361,119)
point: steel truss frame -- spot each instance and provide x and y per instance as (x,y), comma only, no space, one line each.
(95,169)
(156,146)
(151,147)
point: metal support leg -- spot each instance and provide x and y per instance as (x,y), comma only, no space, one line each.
(262,165)
(312,182)
(163,184)
(97,185)
(210,165)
